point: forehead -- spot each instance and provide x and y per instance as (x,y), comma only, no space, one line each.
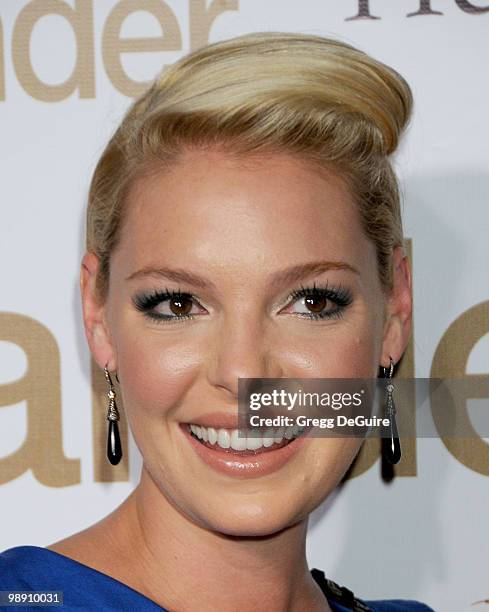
(213,208)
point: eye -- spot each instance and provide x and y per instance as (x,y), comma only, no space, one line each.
(175,305)
(319,302)
(168,305)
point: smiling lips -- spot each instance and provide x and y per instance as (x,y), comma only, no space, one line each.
(254,455)
(255,442)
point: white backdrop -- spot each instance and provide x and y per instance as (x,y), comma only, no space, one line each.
(62,93)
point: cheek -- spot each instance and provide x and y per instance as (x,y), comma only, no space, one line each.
(154,371)
(356,359)
(328,460)
(343,351)
(355,350)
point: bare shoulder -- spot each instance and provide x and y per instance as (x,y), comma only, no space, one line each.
(88,546)
(99,546)
(110,546)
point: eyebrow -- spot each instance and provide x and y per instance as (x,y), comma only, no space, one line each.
(173,274)
(313,268)
(282,278)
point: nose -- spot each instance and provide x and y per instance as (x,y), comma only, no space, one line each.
(242,350)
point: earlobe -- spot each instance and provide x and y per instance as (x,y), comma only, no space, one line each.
(94,321)
(397,329)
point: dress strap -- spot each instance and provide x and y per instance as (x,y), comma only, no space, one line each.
(341,595)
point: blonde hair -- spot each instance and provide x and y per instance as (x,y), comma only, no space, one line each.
(314,97)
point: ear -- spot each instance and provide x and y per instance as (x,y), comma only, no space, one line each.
(96,329)
(397,327)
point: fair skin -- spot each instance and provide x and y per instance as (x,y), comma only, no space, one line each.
(188,531)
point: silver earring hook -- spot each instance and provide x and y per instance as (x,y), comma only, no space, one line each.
(391,369)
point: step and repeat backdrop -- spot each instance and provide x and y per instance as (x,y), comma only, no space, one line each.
(68,71)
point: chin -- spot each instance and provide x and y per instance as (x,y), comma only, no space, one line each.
(252,524)
(252,517)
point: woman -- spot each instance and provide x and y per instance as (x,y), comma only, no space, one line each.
(243,222)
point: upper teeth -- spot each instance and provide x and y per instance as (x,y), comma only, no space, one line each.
(228,438)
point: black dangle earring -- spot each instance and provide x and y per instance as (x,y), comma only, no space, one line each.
(114,448)
(392,450)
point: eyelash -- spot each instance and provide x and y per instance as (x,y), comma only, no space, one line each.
(340,295)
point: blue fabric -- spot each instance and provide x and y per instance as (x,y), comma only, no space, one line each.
(32,568)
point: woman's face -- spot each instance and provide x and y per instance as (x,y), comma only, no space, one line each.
(237,237)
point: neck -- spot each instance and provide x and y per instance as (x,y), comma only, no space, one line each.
(184,566)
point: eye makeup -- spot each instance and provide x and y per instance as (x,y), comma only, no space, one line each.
(177,301)
(315,297)
(180,303)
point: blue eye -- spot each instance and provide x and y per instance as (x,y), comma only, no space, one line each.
(321,302)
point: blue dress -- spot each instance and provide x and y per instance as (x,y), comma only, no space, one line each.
(32,568)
